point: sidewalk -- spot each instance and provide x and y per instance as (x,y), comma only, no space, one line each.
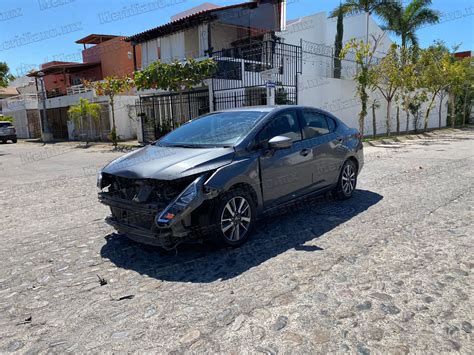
(397,141)
(124,145)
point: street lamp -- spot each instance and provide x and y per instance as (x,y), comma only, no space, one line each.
(46,135)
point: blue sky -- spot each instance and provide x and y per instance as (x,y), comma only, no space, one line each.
(35,31)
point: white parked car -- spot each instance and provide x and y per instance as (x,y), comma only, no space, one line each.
(7,132)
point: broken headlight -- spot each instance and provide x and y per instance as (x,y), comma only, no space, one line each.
(99,179)
(181,202)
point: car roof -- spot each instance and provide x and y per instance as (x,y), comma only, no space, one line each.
(275,108)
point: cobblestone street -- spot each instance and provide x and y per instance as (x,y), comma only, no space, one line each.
(388,271)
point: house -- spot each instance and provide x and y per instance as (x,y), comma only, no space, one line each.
(103,55)
(22,106)
(237,36)
(262,59)
(7,92)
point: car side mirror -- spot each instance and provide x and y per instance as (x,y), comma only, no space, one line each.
(280,142)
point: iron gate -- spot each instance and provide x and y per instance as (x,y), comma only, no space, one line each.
(238,81)
(161,113)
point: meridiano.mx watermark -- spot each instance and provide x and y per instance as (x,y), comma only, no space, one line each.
(32,37)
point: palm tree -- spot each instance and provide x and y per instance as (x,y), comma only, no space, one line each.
(83,111)
(5,75)
(352,7)
(405,21)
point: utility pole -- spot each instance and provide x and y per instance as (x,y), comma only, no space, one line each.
(46,135)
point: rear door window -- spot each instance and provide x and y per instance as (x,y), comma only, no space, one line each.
(331,124)
(314,124)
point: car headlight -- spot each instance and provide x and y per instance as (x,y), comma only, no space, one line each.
(99,179)
(180,203)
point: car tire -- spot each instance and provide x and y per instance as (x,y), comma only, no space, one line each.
(233,230)
(4,141)
(347,182)
(14,140)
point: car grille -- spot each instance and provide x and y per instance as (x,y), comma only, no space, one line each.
(138,201)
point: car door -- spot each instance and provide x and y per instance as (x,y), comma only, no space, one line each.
(319,139)
(284,172)
(338,150)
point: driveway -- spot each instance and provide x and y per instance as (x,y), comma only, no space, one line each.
(390,270)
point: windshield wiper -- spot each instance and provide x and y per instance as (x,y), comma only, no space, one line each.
(185,146)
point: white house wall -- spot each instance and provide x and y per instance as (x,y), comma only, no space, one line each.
(20,121)
(316,33)
(125,117)
(339,97)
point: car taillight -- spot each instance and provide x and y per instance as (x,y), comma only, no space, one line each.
(14,130)
(359,135)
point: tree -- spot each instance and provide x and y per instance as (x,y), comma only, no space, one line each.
(374,105)
(458,74)
(405,21)
(110,87)
(385,77)
(468,90)
(414,107)
(176,76)
(442,94)
(5,75)
(437,73)
(364,56)
(6,118)
(339,13)
(83,111)
(352,7)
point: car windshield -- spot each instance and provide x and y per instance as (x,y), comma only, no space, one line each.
(5,124)
(214,130)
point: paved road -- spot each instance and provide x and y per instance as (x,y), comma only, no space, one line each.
(389,271)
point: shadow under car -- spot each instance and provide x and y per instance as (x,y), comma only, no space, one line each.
(273,235)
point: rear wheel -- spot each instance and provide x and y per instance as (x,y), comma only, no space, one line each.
(4,141)
(347,181)
(233,218)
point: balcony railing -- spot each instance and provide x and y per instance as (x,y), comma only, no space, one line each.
(77,89)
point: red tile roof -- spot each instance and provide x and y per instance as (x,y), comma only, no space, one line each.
(184,22)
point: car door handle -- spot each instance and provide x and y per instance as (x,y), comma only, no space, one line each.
(305,152)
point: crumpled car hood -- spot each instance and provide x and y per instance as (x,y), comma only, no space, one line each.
(168,163)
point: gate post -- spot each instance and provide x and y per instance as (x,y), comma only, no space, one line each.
(270,94)
(211,95)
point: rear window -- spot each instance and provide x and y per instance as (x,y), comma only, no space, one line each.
(5,124)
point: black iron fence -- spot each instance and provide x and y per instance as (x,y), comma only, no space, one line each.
(161,113)
(252,96)
(240,80)
(242,66)
(244,71)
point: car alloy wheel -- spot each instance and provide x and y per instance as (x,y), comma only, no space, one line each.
(236,218)
(348,179)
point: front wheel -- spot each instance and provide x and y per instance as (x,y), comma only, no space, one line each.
(347,181)
(14,140)
(233,218)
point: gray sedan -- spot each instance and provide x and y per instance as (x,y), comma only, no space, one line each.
(214,176)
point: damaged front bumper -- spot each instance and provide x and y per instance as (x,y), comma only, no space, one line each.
(155,223)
